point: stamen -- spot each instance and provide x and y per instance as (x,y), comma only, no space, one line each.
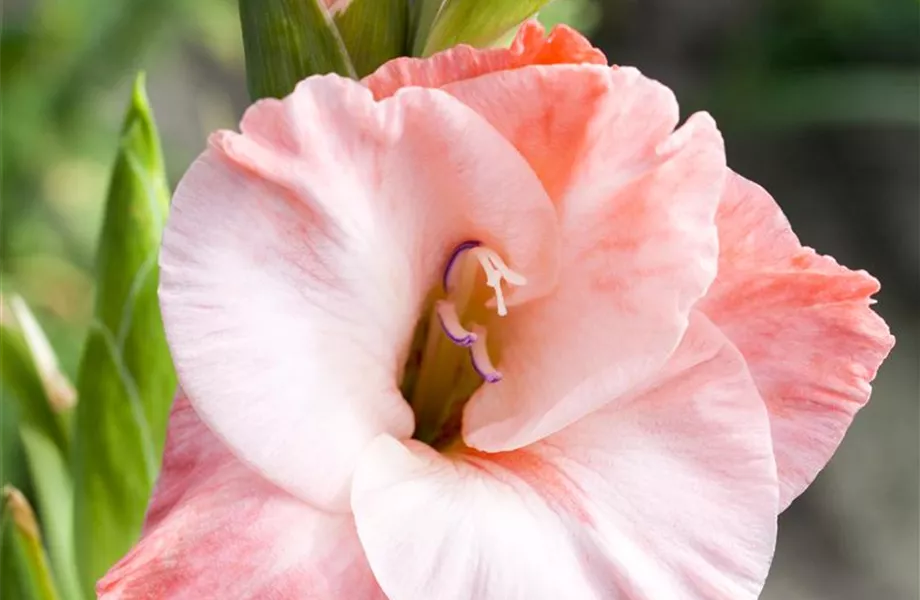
(512,277)
(452,261)
(479,354)
(496,270)
(450,323)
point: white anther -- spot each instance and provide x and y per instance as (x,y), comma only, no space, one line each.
(496,270)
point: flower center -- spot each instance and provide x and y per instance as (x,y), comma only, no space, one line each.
(454,355)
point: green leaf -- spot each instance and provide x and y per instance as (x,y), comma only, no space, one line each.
(13,467)
(286,41)
(126,379)
(24,566)
(475,22)
(55,391)
(374,31)
(583,15)
(30,374)
(22,371)
(423,14)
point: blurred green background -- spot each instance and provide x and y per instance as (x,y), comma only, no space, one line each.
(818,101)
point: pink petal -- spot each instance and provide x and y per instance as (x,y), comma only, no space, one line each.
(579,126)
(670,492)
(637,205)
(531,46)
(804,325)
(298,255)
(216,529)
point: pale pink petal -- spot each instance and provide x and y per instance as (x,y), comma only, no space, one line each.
(298,255)
(216,529)
(804,325)
(531,46)
(668,493)
(637,205)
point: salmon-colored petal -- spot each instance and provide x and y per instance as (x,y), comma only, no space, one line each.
(804,325)
(531,46)
(216,529)
(580,127)
(639,249)
(298,255)
(667,493)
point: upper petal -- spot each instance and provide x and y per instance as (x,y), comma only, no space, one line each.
(583,128)
(216,529)
(804,325)
(669,493)
(298,254)
(531,46)
(639,244)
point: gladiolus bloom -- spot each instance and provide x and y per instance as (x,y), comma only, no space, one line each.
(489,325)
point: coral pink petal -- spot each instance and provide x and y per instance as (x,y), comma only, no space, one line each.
(216,529)
(637,203)
(298,255)
(670,492)
(531,46)
(804,325)
(577,125)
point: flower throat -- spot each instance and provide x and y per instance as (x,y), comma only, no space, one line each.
(449,358)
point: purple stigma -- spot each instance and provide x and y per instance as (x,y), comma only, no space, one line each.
(465,341)
(453,259)
(479,356)
(491,377)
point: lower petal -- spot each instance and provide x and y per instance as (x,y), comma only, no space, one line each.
(804,325)
(216,529)
(669,493)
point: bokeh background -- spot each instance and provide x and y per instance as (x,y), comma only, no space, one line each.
(819,101)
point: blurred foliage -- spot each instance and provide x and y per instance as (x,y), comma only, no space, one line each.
(44,399)
(24,564)
(92,475)
(823,61)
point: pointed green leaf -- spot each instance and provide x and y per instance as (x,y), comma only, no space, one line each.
(423,14)
(43,395)
(374,31)
(476,22)
(126,380)
(286,41)
(25,571)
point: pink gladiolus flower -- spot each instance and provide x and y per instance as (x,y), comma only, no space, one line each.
(487,326)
